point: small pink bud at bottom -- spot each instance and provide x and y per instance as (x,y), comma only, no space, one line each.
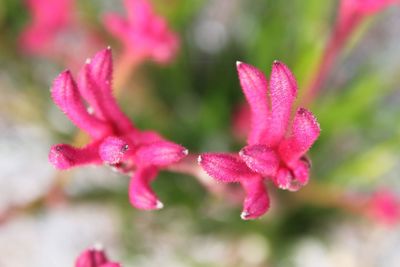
(91,258)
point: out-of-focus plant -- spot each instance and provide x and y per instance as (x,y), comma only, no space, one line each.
(94,257)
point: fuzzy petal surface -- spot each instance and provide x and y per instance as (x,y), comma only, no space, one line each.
(283,91)
(305,131)
(161,153)
(256,202)
(260,159)
(66,96)
(223,167)
(64,156)
(254,85)
(141,195)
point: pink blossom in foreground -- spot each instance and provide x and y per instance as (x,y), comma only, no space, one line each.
(384,207)
(275,147)
(49,17)
(351,14)
(143,33)
(115,141)
(94,257)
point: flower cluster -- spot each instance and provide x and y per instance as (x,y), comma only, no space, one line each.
(115,141)
(274,150)
(143,33)
(94,257)
(48,19)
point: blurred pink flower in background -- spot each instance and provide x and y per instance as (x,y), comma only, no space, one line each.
(94,257)
(57,33)
(350,15)
(384,207)
(143,33)
(115,140)
(49,17)
(273,151)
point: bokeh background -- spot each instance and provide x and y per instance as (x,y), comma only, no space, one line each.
(192,101)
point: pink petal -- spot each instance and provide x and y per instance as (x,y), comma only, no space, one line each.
(96,88)
(91,258)
(254,85)
(260,159)
(305,131)
(256,202)
(116,25)
(294,179)
(65,156)
(141,195)
(160,153)
(113,150)
(283,90)
(139,12)
(384,207)
(226,168)
(66,96)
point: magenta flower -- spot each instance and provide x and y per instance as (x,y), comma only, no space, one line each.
(384,207)
(94,257)
(49,17)
(275,150)
(115,141)
(143,33)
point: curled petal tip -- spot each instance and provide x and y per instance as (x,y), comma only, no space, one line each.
(244,215)
(159,205)
(88,61)
(185,152)
(238,63)
(98,246)
(108,48)
(59,157)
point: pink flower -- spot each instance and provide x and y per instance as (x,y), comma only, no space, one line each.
(115,141)
(143,33)
(384,207)
(49,17)
(351,14)
(275,150)
(94,257)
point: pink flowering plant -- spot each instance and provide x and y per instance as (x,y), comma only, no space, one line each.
(138,108)
(115,141)
(275,148)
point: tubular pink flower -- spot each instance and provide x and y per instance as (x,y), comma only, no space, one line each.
(143,33)
(94,257)
(115,140)
(276,147)
(48,18)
